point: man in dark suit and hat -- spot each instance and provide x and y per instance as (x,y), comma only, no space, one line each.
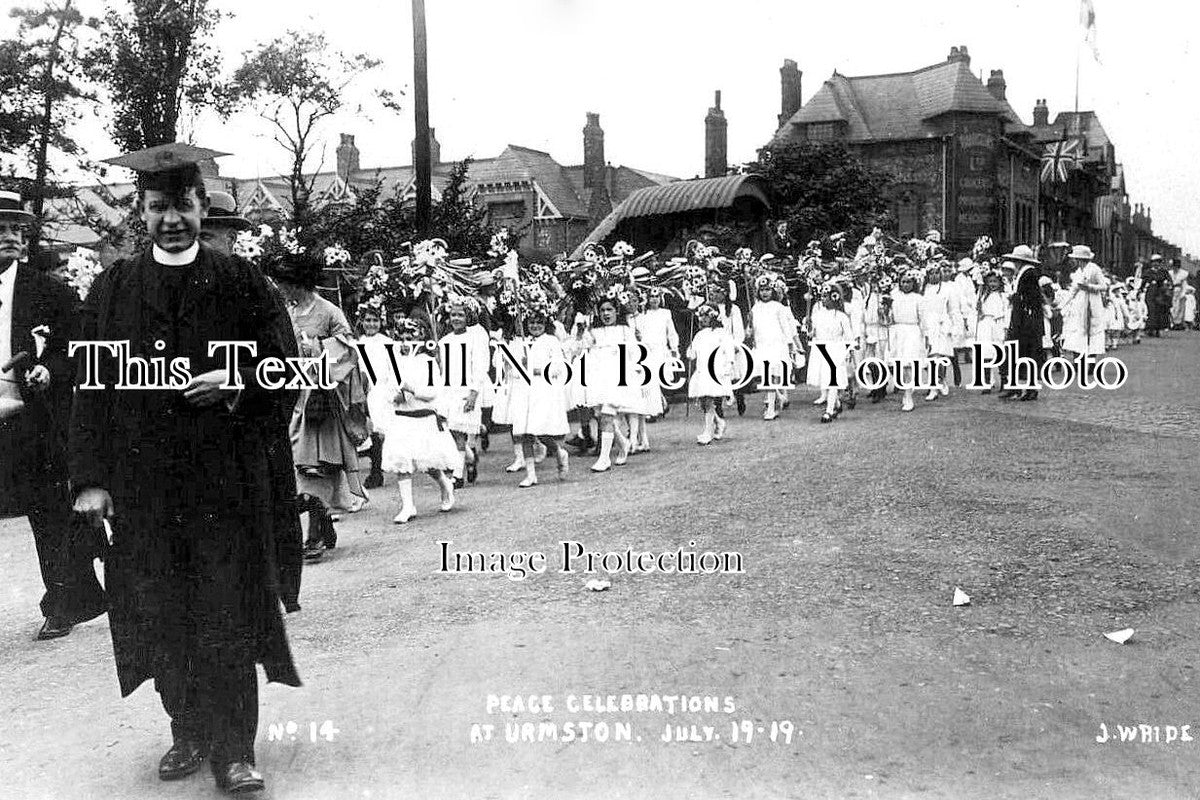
(221,225)
(182,474)
(35,399)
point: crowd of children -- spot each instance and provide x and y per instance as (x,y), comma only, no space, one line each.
(556,354)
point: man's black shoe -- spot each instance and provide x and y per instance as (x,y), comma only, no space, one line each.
(54,628)
(741,405)
(374,480)
(239,777)
(183,759)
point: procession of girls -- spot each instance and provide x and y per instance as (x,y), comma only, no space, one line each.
(432,411)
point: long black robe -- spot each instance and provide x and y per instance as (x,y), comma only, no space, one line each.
(184,478)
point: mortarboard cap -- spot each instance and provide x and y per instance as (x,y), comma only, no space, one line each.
(169,167)
(164,158)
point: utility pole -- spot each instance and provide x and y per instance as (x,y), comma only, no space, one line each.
(424,170)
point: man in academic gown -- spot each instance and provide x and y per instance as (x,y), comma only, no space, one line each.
(35,399)
(183,476)
(1027,320)
(219,230)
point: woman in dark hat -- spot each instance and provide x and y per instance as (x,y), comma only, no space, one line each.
(322,446)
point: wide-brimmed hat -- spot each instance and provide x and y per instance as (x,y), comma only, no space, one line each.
(11,208)
(965,265)
(1083,253)
(300,269)
(1155,258)
(1022,253)
(223,213)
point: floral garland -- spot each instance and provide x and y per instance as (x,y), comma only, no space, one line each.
(81,270)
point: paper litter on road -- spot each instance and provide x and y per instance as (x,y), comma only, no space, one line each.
(1120,637)
(597,585)
(961,598)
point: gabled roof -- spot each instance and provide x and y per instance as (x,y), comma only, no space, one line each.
(900,105)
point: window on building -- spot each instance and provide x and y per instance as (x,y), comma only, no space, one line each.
(500,214)
(908,215)
(821,131)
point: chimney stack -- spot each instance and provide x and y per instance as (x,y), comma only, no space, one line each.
(1041,114)
(593,153)
(997,85)
(435,149)
(715,141)
(789,79)
(347,157)
(959,54)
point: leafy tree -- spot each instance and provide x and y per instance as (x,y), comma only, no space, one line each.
(379,221)
(44,87)
(457,219)
(161,66)
(295,82)
(820,188)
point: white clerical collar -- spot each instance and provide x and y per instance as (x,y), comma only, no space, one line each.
(177,259)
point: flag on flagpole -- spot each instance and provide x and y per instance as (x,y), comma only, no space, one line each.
(1087,18)
(1058,159)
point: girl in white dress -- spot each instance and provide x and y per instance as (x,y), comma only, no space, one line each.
(940,312)
(772,339)
(405,406)
(609,400)
(717,294)
(712,353)
(538,409)
(656,332)
(877,323)
(464,360)
(372,345)
(992,313)
(832,329)
(907,335)
(1084,316)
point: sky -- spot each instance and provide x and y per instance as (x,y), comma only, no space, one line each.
(527,71)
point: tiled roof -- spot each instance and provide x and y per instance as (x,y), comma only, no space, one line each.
(900,105)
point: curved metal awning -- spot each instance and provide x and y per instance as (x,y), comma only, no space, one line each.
(679,197)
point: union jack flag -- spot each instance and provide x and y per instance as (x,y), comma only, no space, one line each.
(1059,159)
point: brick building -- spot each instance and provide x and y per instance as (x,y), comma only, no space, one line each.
(964,162)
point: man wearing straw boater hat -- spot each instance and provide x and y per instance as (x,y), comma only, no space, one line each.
(36,321)
(180,476)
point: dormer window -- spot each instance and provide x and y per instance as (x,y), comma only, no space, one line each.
(822,131)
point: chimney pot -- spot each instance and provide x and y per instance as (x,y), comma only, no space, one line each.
(1041,114)
(593,152)
(790,83)
(715,140)
(997,85)
(347,157)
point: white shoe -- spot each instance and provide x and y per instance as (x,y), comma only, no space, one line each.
(602,466)
(539,453)
(525,484)
(720,431)
(945,390)
(448,500)
(770,414)
(704,438)
(516,466)
(406,513)
(564,462)
(622,457)
(820,401)
(908,405)
(933,395)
